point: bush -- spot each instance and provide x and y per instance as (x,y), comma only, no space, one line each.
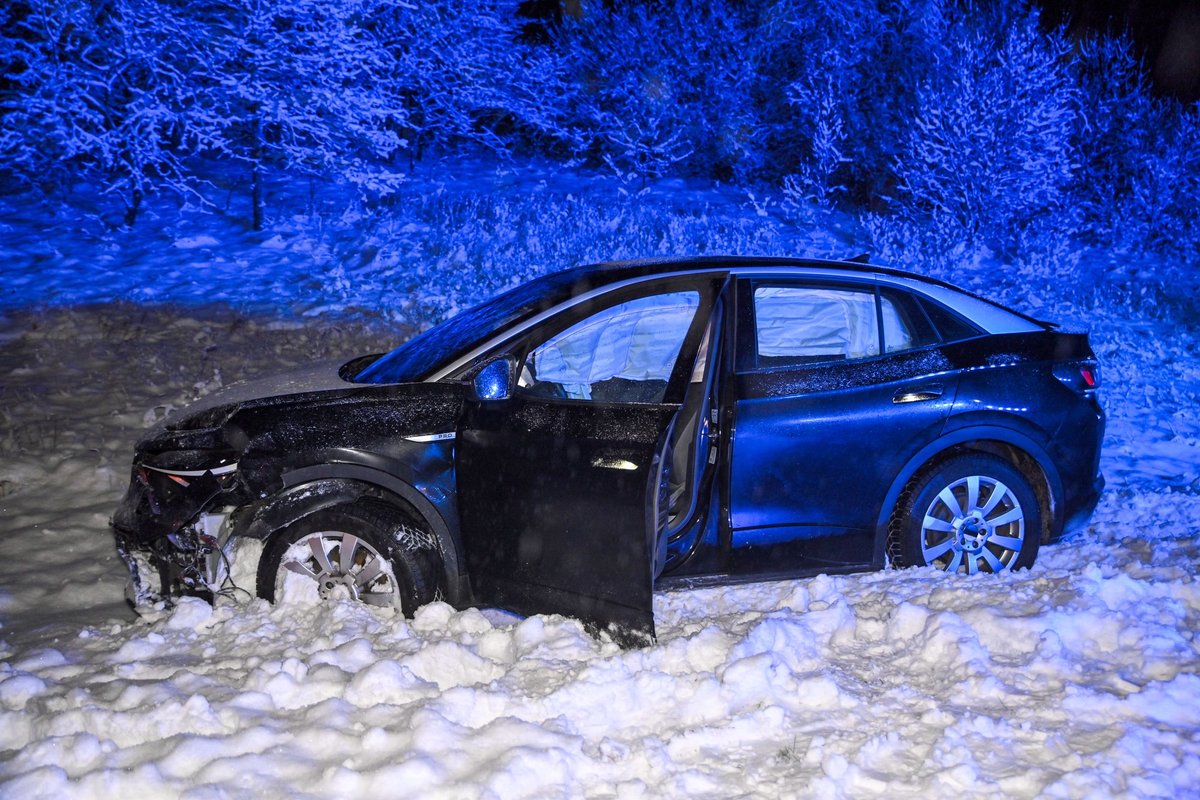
(962,126)
(95,91)
(472,244)
(837,89)
(655,86)
(1140,156)
(989,150)
(462,75)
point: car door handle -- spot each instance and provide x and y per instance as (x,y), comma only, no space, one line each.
(918,394)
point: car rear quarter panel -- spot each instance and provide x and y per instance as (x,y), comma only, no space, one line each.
(1008,393)
(1008,381)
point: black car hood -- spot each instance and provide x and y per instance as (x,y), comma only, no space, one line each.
(319,377)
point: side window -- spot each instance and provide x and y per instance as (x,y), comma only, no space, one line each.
(625,353)
(905,324)
(950,328)
(798,325)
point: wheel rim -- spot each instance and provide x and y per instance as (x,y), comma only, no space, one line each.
(974,524)
(343,566)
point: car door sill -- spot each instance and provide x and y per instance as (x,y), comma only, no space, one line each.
(668,583)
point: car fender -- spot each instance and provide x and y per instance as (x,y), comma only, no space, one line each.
(948,441)
(311,488)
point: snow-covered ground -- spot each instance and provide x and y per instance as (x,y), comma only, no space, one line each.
(1078,678)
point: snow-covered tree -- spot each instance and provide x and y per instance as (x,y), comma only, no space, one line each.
(1139,155)
(125,91)
(990,145)
(301,86)
(464,75)
(836,88)
(95,92)
(969,117)
(653,86)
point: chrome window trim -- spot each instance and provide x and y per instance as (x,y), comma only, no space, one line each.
(983,313)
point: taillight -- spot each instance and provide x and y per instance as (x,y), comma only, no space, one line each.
(1081,376)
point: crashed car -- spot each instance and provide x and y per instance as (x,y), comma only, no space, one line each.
(581,440)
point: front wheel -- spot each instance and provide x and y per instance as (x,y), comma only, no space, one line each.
(365,551)
(972,513)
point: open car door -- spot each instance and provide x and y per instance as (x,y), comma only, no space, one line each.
(558,459)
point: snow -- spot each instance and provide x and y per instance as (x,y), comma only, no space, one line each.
(192,242)
(1077,678)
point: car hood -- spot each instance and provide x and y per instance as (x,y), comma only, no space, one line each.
(211,410)
(300,405)
(321,376)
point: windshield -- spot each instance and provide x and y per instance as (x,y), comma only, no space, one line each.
(423,354)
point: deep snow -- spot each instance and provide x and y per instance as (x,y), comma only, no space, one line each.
(1076,678)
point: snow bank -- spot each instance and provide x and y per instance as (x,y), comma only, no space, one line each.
(1076,677)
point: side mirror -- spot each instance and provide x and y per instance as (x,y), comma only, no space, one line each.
(494,381)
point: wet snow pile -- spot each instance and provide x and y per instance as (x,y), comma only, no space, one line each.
(1076,678)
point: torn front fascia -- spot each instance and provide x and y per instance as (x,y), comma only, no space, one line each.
(139,591)
(191,561)
(175,498)
(162,528)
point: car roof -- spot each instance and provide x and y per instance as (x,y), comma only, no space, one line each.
(593,276)
(612,271)
(605,272)
(651,266)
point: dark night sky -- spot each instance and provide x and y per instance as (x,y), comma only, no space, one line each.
(1167,32)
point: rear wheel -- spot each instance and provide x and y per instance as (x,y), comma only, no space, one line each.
(366,551)
(972,513)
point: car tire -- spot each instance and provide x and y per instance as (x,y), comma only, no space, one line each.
(971,513)
(366,550)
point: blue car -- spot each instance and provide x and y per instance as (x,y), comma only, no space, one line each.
(573,444)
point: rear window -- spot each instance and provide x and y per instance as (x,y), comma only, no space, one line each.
(905,324)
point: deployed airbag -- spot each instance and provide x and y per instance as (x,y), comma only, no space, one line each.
(804,322)
(638,340)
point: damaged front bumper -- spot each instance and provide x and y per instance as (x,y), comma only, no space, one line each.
(173,531)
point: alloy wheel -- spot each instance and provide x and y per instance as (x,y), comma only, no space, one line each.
(343,566)
(976,523)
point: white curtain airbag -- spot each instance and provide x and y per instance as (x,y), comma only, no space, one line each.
(803,322)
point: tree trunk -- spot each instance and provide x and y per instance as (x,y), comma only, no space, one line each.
(132,208)
(256,197)
(256,176)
